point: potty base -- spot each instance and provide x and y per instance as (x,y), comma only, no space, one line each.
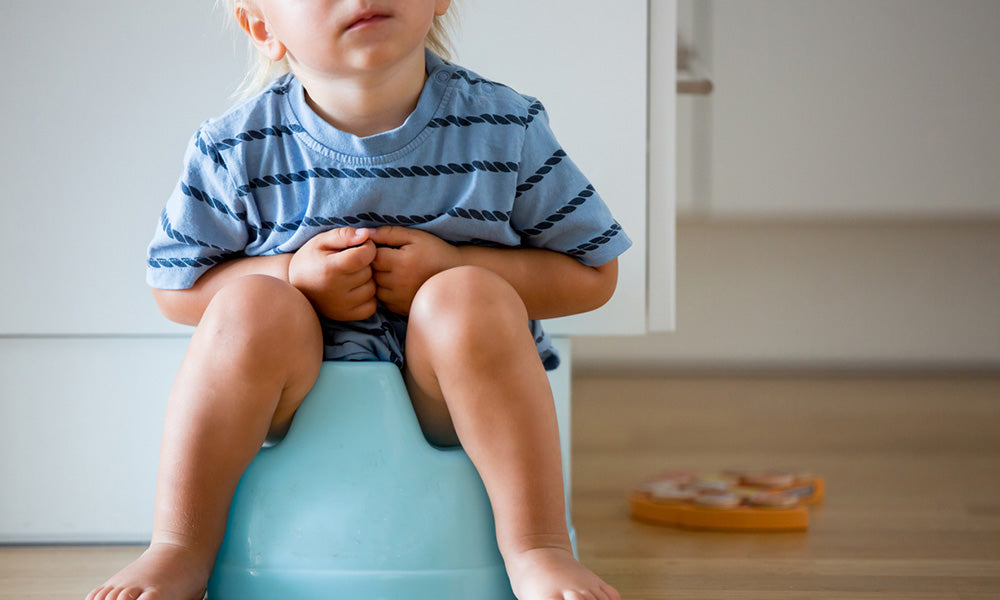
(355,503)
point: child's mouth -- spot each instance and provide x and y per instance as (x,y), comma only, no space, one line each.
(366,20)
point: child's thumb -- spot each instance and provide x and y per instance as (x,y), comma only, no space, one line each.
(343,237)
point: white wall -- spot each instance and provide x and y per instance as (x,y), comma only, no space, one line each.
(868,295)
(839,190)
(833,109)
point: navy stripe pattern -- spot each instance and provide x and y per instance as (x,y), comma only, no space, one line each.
(560,214)
(491,119)
(213,151)
(200,261)
(495,216)
(203,196)
(374,219)
(376,173)
(185,239)
(185,263)
(596,242)
(362,219)
(530,182)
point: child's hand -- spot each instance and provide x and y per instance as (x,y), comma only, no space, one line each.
(334,271)
(405,259)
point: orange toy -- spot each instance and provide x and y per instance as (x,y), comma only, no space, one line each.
(734,500)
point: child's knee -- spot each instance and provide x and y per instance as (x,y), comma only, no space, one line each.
(468,301)
(258,310)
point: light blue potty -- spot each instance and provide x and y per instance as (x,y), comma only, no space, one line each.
(354,503)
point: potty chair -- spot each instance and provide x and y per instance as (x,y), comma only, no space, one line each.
(355,503)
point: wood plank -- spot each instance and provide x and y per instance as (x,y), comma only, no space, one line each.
(911,465)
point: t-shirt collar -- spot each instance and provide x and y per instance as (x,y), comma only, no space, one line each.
(439,75)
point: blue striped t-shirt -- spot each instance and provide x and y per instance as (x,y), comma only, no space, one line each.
(475,163)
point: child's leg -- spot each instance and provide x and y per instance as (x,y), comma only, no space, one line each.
(253,357)
(474,376)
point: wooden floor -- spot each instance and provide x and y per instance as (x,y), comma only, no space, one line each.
(912,467)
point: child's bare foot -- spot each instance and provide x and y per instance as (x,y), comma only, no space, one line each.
(553,574)
(165,571)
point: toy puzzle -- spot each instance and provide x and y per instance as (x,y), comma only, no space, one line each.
(733,500)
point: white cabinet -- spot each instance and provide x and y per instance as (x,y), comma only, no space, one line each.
(587,64)
(100,102)
(824,108)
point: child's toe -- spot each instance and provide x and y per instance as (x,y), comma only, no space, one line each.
(610,592)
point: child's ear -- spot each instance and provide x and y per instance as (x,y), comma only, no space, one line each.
(441,7)
(255,26)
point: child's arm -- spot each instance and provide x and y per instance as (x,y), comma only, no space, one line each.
(551,284)
(332,270)
(186,306)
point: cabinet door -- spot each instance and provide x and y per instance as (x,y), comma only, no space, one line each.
(99,135)
(587,64)
(823,108)
(101,101)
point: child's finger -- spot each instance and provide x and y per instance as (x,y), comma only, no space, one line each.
(355,259)
(361,311)
(383,279)
(391,235)
(342,238)
(361,294)
(351,281)
(384,259)
(392,300)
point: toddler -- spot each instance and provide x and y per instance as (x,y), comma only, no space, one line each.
(374,202)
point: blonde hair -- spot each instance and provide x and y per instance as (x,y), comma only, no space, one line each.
(262,70)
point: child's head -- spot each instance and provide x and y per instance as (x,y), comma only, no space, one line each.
(264,68)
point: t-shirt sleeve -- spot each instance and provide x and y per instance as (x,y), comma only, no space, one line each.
(556,207)
(203,224)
